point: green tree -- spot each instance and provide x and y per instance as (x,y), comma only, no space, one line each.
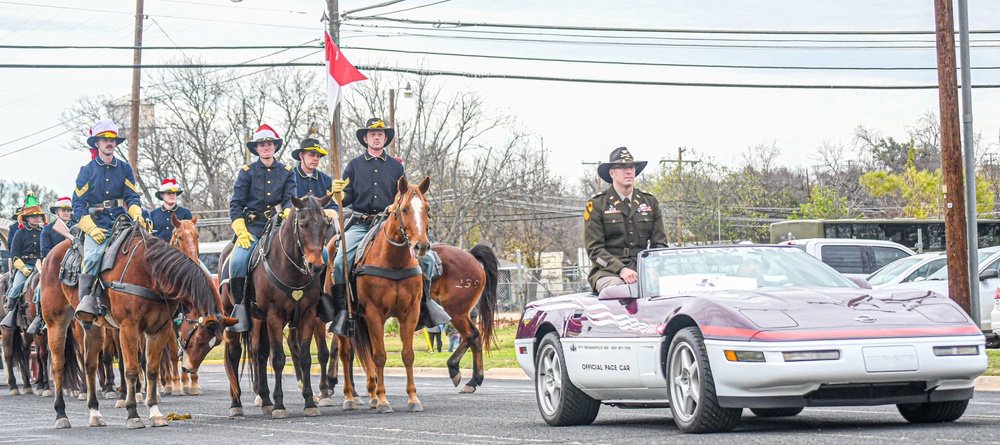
(825,203)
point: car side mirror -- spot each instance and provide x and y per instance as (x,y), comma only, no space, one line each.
(861,282)
(620,292)
(987,274)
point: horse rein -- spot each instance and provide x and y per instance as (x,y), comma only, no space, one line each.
(399,226)
(298,242)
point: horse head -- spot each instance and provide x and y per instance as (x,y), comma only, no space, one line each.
(410,214)
(185,236)
(198,335)
(309,223)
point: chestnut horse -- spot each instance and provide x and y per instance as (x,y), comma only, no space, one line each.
(185,239)
(294,256)
(172,278)
(402,237)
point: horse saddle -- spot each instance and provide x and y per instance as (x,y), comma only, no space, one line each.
(437,268)
(69,268)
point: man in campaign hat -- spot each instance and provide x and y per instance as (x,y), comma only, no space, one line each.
(24,251)
(161,224)
(309,181)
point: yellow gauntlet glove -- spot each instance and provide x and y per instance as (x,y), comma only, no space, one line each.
(136,213)
(284,213)
(339,185)
(87,225)
(243,236)
(19,265)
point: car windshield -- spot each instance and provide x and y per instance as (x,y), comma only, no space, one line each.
(942,273)
(892,270)
(720,268)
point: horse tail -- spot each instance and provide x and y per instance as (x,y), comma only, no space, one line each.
(72,371)
(362,340)
(488,301)
(19,354)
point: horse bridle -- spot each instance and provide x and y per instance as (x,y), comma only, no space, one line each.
(298,242)
(199,323)
(399,227)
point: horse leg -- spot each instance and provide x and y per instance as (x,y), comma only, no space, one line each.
(339,352)
(57,347)
(93,342)
(195,387)
(130,357)
(470,338)
(42,385)
(8,360)
(304,336)
(173,360)
(376,375)
(155,345)
(323,357)
(234,352)
(408,324)
(25,361)
(276,341)
(260,353)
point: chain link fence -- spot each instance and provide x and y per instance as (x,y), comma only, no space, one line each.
(520,285)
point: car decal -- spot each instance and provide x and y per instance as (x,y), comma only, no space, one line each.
(600,315)
(831,334)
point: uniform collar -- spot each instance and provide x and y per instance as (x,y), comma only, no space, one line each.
(165,209)
(381,157)
(114,161)
(298,169)
(29,228)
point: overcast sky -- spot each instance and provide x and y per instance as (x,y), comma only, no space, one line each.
(578,122)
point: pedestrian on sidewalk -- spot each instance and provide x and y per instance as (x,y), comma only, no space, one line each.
(453,337)
(435,333)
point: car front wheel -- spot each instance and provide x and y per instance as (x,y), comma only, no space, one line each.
(693,402)
(933,412)
(560,402)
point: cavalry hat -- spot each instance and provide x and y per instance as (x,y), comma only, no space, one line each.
(103,128)
(168,185)
(31,208)
(309,144)
(264,133)
(375,124)
(619,156)
(17,212)
(62,203)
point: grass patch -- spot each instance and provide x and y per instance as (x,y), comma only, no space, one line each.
(994,364)
(501,356)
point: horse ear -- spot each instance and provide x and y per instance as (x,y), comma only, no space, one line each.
(325,200)
(297,203)
(425,185)
(173,219)
(403,185)
(194,219)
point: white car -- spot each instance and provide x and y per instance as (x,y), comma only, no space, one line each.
(989,280)
(908,270)
(852,257)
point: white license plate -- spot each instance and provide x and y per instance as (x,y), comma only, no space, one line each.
(890,358)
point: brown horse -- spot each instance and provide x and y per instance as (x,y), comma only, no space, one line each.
(17,343)
(185,239)
(294,256)
(172,278)
(402,238)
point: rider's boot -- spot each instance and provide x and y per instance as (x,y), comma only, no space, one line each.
(431,313)
(10,320)
(341,325)
(90,307)
(327,309)
(237,287)
(37,325)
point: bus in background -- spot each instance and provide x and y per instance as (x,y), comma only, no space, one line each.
(917,234)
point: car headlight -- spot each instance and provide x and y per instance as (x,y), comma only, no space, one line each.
(807,356)
(945,351)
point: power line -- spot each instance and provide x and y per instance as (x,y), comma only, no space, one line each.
(440,23)
(149,48)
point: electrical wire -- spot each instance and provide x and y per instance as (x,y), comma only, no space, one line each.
(176,47)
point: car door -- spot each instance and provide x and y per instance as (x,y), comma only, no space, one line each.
(846,259)
(925,270)
(602,355)
(987,293)
(883,255)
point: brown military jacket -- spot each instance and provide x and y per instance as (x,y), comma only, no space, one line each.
(615,232)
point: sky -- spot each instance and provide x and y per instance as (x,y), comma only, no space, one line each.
(576,122)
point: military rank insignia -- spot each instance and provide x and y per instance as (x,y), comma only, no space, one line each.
(643,208)
(586,213)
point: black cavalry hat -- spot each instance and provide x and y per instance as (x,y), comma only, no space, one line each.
(375,124)
(309,144)
(619,156)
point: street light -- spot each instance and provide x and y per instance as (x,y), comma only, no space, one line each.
(407,93)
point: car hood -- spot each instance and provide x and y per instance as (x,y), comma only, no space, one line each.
(836,308)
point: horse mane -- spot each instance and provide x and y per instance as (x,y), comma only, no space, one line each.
(179,275)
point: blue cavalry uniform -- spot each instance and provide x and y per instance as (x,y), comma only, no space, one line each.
(257,195)
(104,190)
(25,250)
(12,229)
(160,223)
(51,238)
(316,184)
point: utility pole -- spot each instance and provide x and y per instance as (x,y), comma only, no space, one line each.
(133,134)
(333,27)
(971,226)
(951,159)
(680,189)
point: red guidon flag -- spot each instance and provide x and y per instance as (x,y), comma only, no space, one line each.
(339,72)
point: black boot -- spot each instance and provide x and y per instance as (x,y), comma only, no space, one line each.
(37,325)
(10,320)
(341,325)
(90,307)
(431,313)
(237,288)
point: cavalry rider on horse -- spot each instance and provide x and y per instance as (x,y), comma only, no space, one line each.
(105,187)
(63,209)
(369,185)
(309,181)
(24,251)
(262,189)
(160,223)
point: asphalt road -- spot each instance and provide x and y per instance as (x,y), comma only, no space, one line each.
(502,411)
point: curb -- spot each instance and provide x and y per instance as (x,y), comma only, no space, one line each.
(494,373)
(987,383)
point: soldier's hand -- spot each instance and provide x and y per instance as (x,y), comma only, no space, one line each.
(284,213)
(628,275)
(339,185)
(330,214)
(244,240)
(98,234)
(25,271)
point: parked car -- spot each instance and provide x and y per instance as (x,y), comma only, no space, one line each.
(209,254)
(989,280)
(906,270)
(852,257)
(708,331)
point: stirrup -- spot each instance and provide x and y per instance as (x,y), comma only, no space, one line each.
(341,324)
(240,313)
(9,320)
(327,308)
(37,325)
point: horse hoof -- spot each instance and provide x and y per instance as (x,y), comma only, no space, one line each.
(194,392)
(235,412)
(28,391)
(138,397)
(15,392)
(311,412)
(350,405)
(82,396)
(120,404)
(265,410)
(179,392)
(158,421)
(279,414)
(257,401)
(111,395)
(467,389)
(74,393)
(48,393)
(325,401)
(372,403)
(415,407)
(97,420)
(134,423)
(456,379)
(383,408)
(62,423)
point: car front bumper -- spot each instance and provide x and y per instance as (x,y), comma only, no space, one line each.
(868,372)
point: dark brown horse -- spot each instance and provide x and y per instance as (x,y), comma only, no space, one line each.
(401,239)
(17,343)
(295,256)
(147,262)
